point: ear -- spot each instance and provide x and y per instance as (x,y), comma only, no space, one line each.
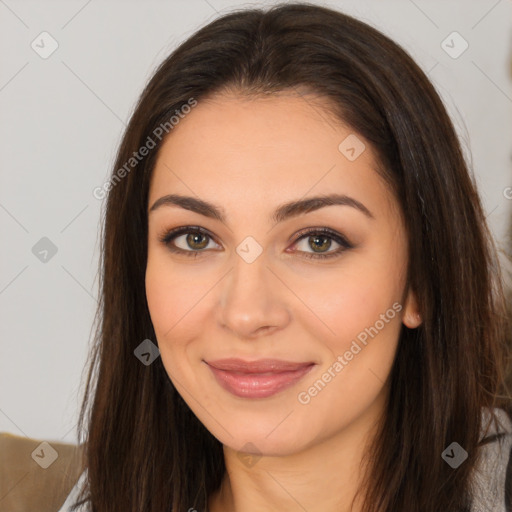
(411,317)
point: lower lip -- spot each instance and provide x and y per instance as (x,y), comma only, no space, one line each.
(258,385)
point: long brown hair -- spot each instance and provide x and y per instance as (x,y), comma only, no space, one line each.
(145,449)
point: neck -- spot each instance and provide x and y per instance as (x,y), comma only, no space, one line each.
(324,476)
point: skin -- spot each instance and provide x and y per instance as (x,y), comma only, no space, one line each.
(248,157)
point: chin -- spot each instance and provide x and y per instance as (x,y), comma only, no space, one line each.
(263,436)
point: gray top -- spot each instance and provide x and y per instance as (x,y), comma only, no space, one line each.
(488,483)
(490,476)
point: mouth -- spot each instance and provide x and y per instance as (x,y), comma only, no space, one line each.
(258,379)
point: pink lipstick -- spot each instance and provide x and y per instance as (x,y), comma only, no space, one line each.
(257,379)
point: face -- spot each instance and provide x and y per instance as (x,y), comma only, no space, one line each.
(252,278)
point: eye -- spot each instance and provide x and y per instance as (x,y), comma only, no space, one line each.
(195,239)
(320,241)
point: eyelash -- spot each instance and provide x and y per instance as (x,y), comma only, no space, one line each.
(168,236)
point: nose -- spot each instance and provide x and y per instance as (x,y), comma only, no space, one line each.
(253,301)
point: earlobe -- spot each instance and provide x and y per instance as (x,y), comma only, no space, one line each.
(411,317)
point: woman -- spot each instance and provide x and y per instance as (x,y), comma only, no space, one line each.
(302,307)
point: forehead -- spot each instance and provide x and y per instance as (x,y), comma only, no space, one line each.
(271,148)
(275,129)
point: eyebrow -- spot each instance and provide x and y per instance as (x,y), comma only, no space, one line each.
(283,212)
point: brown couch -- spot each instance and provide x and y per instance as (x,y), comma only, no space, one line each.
(36,475)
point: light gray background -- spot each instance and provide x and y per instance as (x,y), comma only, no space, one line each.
(62,119)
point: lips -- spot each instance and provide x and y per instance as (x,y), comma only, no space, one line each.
(257,379)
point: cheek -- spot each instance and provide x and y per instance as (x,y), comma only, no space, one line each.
(358,358)
(170,291)
(169,296)
(161,303)
(360,309)
(178,304)
(352,301)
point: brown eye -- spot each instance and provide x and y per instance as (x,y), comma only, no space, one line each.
(194,242)
(320,241)
(187,240)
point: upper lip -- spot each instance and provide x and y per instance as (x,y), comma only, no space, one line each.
(259,366)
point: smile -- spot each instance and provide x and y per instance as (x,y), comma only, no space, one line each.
(257,379)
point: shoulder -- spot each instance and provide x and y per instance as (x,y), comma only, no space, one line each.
(493,474)
(73,496)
